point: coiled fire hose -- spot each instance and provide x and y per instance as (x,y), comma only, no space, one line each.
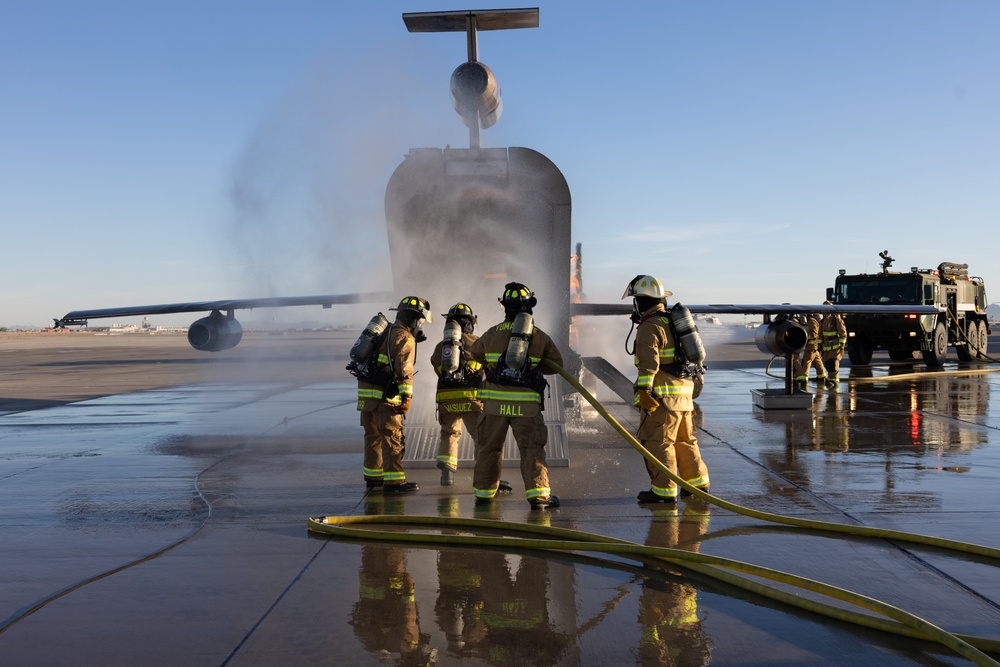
(896,621)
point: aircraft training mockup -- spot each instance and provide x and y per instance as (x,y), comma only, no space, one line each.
(462,222)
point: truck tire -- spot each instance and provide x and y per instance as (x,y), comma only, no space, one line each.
(859,351)
(984,340)
(938,353)
(976,341)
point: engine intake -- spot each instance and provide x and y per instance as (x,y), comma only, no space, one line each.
(475,89)
(780,338)
(215,333)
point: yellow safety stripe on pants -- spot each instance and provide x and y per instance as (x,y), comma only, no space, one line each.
(698,481)
(665,491)
(394,477)
(484,493)
(538,492)
(448,460)
(373,472)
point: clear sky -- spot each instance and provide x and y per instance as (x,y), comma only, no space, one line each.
(741,151)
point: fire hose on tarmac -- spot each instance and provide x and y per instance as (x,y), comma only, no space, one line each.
(892,619)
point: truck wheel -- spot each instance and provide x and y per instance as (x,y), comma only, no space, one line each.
(939,352)
(976,341)
(859,351)
(984,340)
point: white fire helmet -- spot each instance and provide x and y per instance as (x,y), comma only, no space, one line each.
(646,286)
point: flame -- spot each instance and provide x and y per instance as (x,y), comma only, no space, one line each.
(574,280)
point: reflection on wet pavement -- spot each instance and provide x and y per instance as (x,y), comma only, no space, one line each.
(92,486)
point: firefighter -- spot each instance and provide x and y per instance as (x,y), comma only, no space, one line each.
(664,393)
(811,354)
(385,618)
(672,632)
(834,335)
(512,398)
(384,398)
(458,383)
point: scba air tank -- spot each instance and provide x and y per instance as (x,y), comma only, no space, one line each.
(687,334)
(517,347)
(365,344)
(451,349)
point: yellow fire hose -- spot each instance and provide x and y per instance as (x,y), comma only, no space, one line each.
(897,621)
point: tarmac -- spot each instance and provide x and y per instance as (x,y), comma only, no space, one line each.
(154,500)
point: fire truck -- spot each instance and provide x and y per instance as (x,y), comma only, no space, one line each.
(960,322)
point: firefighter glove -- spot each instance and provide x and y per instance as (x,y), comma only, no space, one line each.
(404,406)
(647,401)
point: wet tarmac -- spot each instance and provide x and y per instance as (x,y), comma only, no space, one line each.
(153,506)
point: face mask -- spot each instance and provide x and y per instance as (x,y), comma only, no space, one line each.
(418,330)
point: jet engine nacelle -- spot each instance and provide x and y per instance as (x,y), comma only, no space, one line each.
(475,89)
(215,333)
(780,338)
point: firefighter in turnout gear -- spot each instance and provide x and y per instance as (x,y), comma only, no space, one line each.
(459,379)
(664,393)
(834,335)
(384,396)
(811,354)
(512,398)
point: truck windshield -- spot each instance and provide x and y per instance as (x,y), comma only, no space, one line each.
(878,290)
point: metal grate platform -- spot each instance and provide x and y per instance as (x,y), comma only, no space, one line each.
(423,435)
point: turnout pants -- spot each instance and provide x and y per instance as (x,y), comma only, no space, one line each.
(451,433)
(669,436)
(383,445)
(810,358)
(530,435)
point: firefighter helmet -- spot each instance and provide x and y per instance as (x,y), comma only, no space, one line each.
(646,286)
(415,304)
(461,311)
(517,297)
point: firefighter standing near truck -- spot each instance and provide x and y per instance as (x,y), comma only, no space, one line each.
(513,352)
(459,379)
(811,354)
(665,395)
(385,389)
(834,336)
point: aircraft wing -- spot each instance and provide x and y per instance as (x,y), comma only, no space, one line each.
(219,331)
(80,317)
(755,308)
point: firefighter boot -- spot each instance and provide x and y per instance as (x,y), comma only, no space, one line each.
(544,503)
(653,497)
(447,474)
(405,487)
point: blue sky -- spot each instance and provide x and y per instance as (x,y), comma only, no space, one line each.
(740,151)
